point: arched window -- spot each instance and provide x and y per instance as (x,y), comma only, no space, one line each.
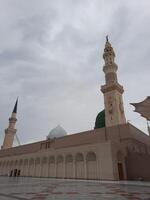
(16,162)
(25,161)
(60,159)
(44,160)
(20,162)
(31,162)
(69,158)
(91,156)
(52,159)
(79,157)
(37,161)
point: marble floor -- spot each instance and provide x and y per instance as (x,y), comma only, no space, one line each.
(58,189)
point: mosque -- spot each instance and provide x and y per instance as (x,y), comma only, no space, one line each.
(113,150)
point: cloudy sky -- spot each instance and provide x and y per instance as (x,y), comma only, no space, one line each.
(51,57)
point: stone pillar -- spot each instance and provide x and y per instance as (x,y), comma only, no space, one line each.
(64,166)
(85,167)
(55,168)
(74,168)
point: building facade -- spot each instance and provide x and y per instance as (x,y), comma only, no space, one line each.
(115,151)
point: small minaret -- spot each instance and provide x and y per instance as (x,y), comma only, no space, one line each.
(112,90)
(11,131)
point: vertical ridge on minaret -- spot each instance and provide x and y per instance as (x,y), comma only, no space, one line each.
(112,90)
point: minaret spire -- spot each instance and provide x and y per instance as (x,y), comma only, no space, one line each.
(11,130)
(112,90)
(15,107)
(107,38)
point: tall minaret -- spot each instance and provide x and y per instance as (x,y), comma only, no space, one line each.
(112,90)
(11,131)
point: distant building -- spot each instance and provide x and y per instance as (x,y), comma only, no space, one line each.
(114,150)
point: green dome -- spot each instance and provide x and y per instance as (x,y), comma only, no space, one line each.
(100,120)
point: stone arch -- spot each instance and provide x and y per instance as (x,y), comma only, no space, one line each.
(7,163)
(79,157)
(4,168)
(69,166)
(12,167)
(79,166)
(69,158)
(37,160)
(16,163)
(51,159)
(0,168)
(20,162)
(31,167)
(20,167)
(37,167)
(25,167)
(91,163)
(60,166)
(51,169)
(60,159)
(91,156)
(7,168)
(44,167)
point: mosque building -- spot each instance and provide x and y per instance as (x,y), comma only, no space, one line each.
(113,150)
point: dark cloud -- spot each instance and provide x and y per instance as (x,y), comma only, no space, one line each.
(51,56)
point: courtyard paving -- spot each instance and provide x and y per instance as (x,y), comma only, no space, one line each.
(58,189)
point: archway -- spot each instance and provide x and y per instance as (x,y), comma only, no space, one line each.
(11,168)
(25,168)
(16,166)
(20,171)
(91,165)
(0,168)
(3,168)
(79,162)
(69,166)
(44,167)
(7,168)
(37,167)
(60,167)
(31,167)
(52,166)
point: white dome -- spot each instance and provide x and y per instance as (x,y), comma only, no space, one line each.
(56,132)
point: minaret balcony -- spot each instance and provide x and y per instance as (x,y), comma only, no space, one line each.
(111,87)
(110,68)
(10,130)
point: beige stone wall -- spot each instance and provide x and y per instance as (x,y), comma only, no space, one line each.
(92,154)
(83,162)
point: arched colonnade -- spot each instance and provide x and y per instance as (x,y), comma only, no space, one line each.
(80,166)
